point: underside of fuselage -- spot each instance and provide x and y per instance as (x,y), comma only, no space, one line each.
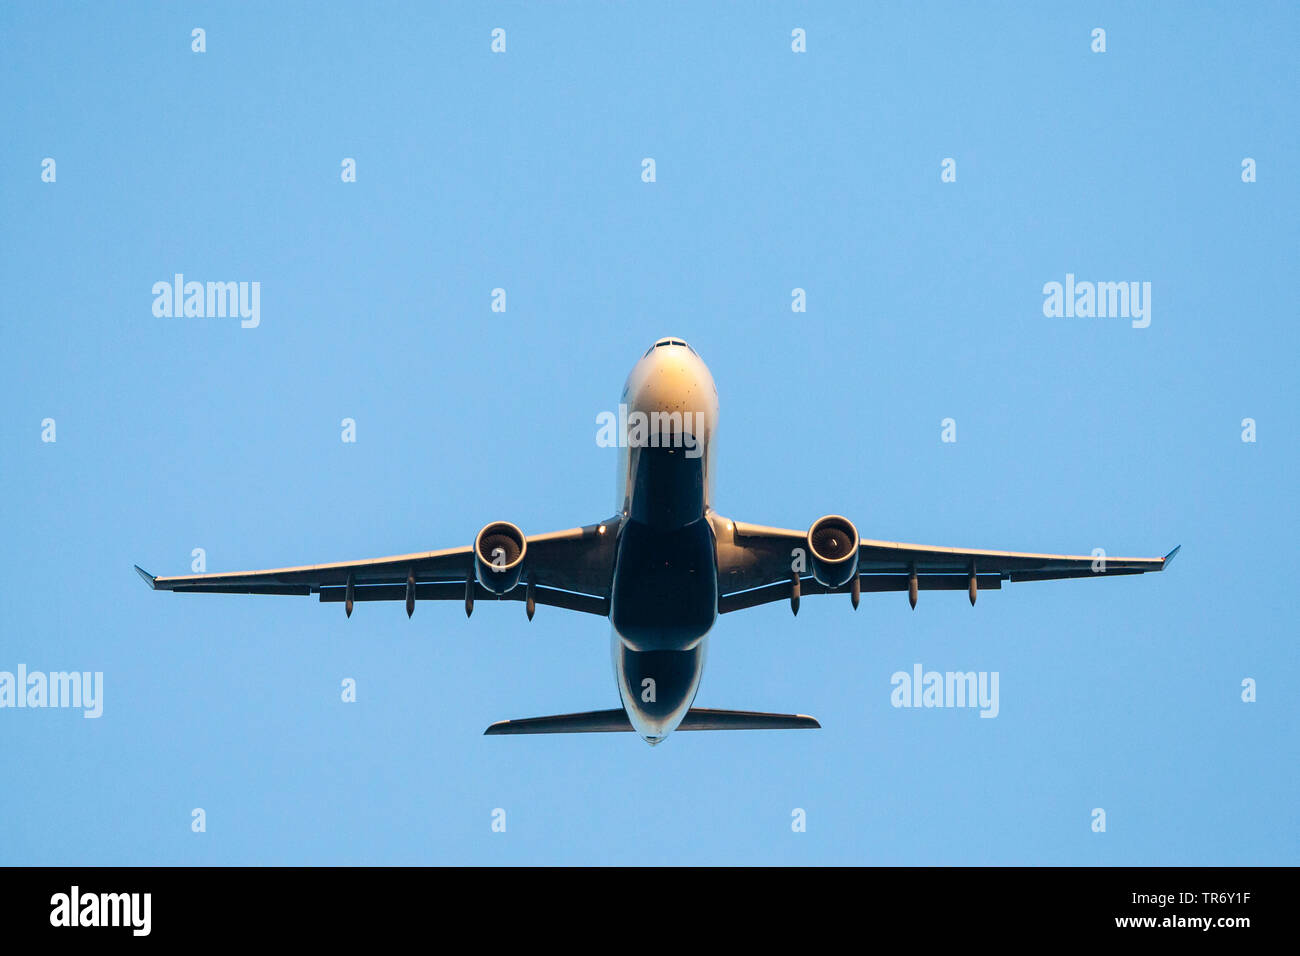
(664,603)
(664,595)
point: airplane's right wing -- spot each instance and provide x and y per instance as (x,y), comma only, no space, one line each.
(569,569)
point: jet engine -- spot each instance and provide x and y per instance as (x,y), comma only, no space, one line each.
(833,545)
(499,551)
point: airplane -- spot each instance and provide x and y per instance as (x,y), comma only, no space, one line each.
(663,566)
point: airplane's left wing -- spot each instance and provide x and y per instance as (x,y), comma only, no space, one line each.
(570,569)
(759,565)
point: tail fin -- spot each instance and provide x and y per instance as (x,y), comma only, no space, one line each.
(611,721)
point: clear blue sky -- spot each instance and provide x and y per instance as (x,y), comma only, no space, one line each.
(774,170)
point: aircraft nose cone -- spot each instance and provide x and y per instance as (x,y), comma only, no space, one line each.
(670,387)
(672,380)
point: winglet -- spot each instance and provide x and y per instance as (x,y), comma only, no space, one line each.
(148,578)
(1168,558)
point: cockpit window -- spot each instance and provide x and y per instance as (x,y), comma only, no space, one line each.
(663,342)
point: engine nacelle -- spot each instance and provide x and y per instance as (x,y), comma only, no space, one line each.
(833,547)
(499,551)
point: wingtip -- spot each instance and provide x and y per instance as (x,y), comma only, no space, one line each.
(148,578)
(1170,557)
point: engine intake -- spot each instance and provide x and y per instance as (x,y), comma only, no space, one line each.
(833,545)
(499,552)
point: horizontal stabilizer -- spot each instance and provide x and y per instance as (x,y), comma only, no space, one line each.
(703,718)
(590,722)
(611,721)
